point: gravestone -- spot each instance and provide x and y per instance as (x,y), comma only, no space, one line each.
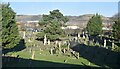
(104,43)
(97,43)
(65,61)
(83,35)
(78,35)
(77,55)
(33,55)
(23,34)
(59,47)
(64,50)
(85,42)
(89,63)
(56,42)
(30,50)
(113,45)
(45,39)
(48,42)
(51,51)
(68,46)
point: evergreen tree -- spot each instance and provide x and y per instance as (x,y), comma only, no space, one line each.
(52,25)
(116,29)
(94,26)
(10,35)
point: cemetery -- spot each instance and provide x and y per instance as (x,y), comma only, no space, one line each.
(58,44)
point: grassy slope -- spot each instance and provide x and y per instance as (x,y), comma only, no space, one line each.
(45,56)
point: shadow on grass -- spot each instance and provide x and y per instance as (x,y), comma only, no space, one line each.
(18,47)
(21,62)
(98,55)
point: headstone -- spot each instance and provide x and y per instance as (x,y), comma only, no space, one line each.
(30,50)
(40,49)
(77,55)
(33,55)
(85,42)
(51,51)
(45,39)
(97,43)
(64,50)
(113,45)
(75,38)
(23,34)
(68,45)
(104,43)
(87,36)
(59,47)
(83,36)
(29,40)
(78,35)
(48,42)
(65,61)
(89,63)
(64,42)
(56,42)
(73,52)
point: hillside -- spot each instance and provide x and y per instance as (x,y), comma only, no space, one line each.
(73,20)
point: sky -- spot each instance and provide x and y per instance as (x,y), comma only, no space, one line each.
(67,8)
(60,0)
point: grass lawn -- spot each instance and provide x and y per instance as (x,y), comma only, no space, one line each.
(45,56)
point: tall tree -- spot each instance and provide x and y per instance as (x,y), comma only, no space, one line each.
(10,34)
(94,26)
(52,24)
(116,29)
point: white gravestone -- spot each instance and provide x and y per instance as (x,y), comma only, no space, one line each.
(56,42)
(48,42)
(24,35)
(45,40)
(104,42)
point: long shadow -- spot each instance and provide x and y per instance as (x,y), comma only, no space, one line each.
(98,55)
(21,62)
(20,46)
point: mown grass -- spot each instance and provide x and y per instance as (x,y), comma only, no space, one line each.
(46,56)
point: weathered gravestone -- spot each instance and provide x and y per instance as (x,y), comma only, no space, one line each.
(77,55)
(113,45)
(51,51)
(45,40)
(33,55)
